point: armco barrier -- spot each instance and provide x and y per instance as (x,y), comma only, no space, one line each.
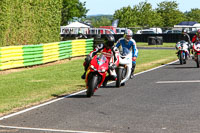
(29,55)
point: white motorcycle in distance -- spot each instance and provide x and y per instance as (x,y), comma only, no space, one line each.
(124,68)
(183,53)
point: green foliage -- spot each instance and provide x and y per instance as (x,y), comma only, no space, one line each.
(170,13)
(97,21)
(71,9)
(193,15)
(166,14)
(29,21)
(127,17)
(141,15)
(147,16)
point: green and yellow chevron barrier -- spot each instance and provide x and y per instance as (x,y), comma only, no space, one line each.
(29,55)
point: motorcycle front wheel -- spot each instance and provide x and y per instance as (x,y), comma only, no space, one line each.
(119,77)
(92,84)
(181,57)
(198,61)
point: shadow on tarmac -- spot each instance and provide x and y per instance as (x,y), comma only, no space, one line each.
(179,66)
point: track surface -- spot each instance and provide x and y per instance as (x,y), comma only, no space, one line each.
(165,100)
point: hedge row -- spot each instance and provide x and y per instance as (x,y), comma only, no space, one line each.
(29,55)
(29,21)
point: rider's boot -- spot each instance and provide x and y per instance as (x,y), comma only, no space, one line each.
(105,81)
(110,77)
(113,77)
(132,71)
(83,76)
(123,84)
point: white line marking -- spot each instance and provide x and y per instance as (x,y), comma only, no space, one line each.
(26,110)
(29,109)
(49,130)
(169,82)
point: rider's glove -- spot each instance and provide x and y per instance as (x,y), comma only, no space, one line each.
(112,66)
(88,58)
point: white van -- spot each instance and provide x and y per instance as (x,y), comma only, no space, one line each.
(150,31)
(157,30)
(146,31)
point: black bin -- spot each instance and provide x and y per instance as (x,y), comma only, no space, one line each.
(151,40)
(155,40)
(159,40)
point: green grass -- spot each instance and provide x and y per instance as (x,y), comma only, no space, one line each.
(31,86)
(145,44)
(152,58)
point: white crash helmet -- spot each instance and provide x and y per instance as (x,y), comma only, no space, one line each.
(128,32)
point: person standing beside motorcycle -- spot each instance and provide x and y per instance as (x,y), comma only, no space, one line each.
(129,43)
(110,52)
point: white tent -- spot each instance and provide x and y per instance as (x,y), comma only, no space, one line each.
(77,25)
(74,28)
(189,25)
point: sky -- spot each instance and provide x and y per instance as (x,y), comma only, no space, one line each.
(109,6)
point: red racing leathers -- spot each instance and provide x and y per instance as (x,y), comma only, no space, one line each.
(112,54)
(195,38)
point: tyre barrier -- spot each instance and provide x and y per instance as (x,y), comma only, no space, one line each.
(29,55)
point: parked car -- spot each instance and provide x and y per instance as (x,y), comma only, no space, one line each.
(172,32)
(146,31)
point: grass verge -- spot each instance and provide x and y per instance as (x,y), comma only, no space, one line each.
(145,44)
(31,86)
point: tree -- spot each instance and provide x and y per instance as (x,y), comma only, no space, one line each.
(147,17)
(193,15)
(127,17)
(71,9)
(141,15)
(97,21)
(170,13)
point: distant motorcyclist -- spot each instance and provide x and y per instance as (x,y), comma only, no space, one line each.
(129,43)
(195,38)
(184,36)
(110,52)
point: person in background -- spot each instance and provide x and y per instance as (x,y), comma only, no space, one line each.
(129,43)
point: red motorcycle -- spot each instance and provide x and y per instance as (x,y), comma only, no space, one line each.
(196,49)
(96,73)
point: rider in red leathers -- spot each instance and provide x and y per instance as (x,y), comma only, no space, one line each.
(196,37)
(110,52)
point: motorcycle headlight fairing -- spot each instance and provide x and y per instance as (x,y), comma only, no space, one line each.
(102,70)
(93,67)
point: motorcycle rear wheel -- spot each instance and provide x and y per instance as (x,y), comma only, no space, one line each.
(92,85)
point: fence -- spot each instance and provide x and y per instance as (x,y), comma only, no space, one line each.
(29,55)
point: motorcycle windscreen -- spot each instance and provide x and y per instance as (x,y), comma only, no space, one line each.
(101,59)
